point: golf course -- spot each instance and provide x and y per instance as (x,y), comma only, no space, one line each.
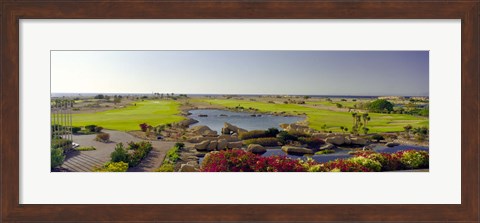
(163,111)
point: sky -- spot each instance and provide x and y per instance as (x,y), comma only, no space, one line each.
(365,73)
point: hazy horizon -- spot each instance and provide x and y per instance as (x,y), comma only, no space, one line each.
(329,73)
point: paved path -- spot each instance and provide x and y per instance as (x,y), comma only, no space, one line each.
(103,151)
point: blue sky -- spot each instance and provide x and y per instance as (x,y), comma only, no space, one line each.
(242,72)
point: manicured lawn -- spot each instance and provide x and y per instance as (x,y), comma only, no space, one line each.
(317,117)
(152,112)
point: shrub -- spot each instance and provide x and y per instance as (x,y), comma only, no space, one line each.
(340,165)
(284,137)
(75,130)
(271,132)
(370,164)
(60,143)
(167,167)
(103,137)
(312,142)
(113,167)
(140,151)
(237,160)
(413,159)
(377,137)
(90,128)
(56,157)
(171,158)
(252,134)
(98,129)
(85,148)
(144,127)
(119,154)
(263,141)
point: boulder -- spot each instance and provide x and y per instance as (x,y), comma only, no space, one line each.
(335,140)
(229,138)
(202,146)
(327,146)
(256,148)
(187,168)
(296,150)
(212,146)
(222,144)
(319,135)
(237,145)
(348,141)
(187,122)
(230,129)
(203,130)
(392,144)
(359,141)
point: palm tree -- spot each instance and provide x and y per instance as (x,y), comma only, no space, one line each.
(365,118)
(354,116)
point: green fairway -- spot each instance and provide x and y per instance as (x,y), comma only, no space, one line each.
(317,117)
(152,112)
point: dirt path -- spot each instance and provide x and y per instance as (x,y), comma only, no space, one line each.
(103,150)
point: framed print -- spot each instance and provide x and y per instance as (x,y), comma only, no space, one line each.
(239,111)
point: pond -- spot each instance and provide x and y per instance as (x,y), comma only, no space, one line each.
(215,118)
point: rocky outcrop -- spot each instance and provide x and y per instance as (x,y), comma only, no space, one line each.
(203,131)
(235,145)
(229,129)
(222,144)
(185,123)
(359,141)
(197,139)
(212,146)
(296,150)
(392,144)
(188,168)
(296,127)
(257,149)
(202,146)
(229,138)
(335,140)
(327,146)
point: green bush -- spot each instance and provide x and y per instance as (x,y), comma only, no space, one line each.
(263,141)
(377,137)
(167,167)
(414,159)
(56,157)
(368,163)
(171,158)
(252,134)
(98,129)
(60,143)
(271,132)
(75,130)
(90,128)
(284,137)
(141,150)
(119,154)
(113,167)
(85,148)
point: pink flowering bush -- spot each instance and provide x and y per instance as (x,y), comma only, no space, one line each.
(237,160)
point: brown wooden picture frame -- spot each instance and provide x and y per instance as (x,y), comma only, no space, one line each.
(12,11)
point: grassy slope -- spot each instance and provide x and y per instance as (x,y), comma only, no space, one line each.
(153,112)
(317,117)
